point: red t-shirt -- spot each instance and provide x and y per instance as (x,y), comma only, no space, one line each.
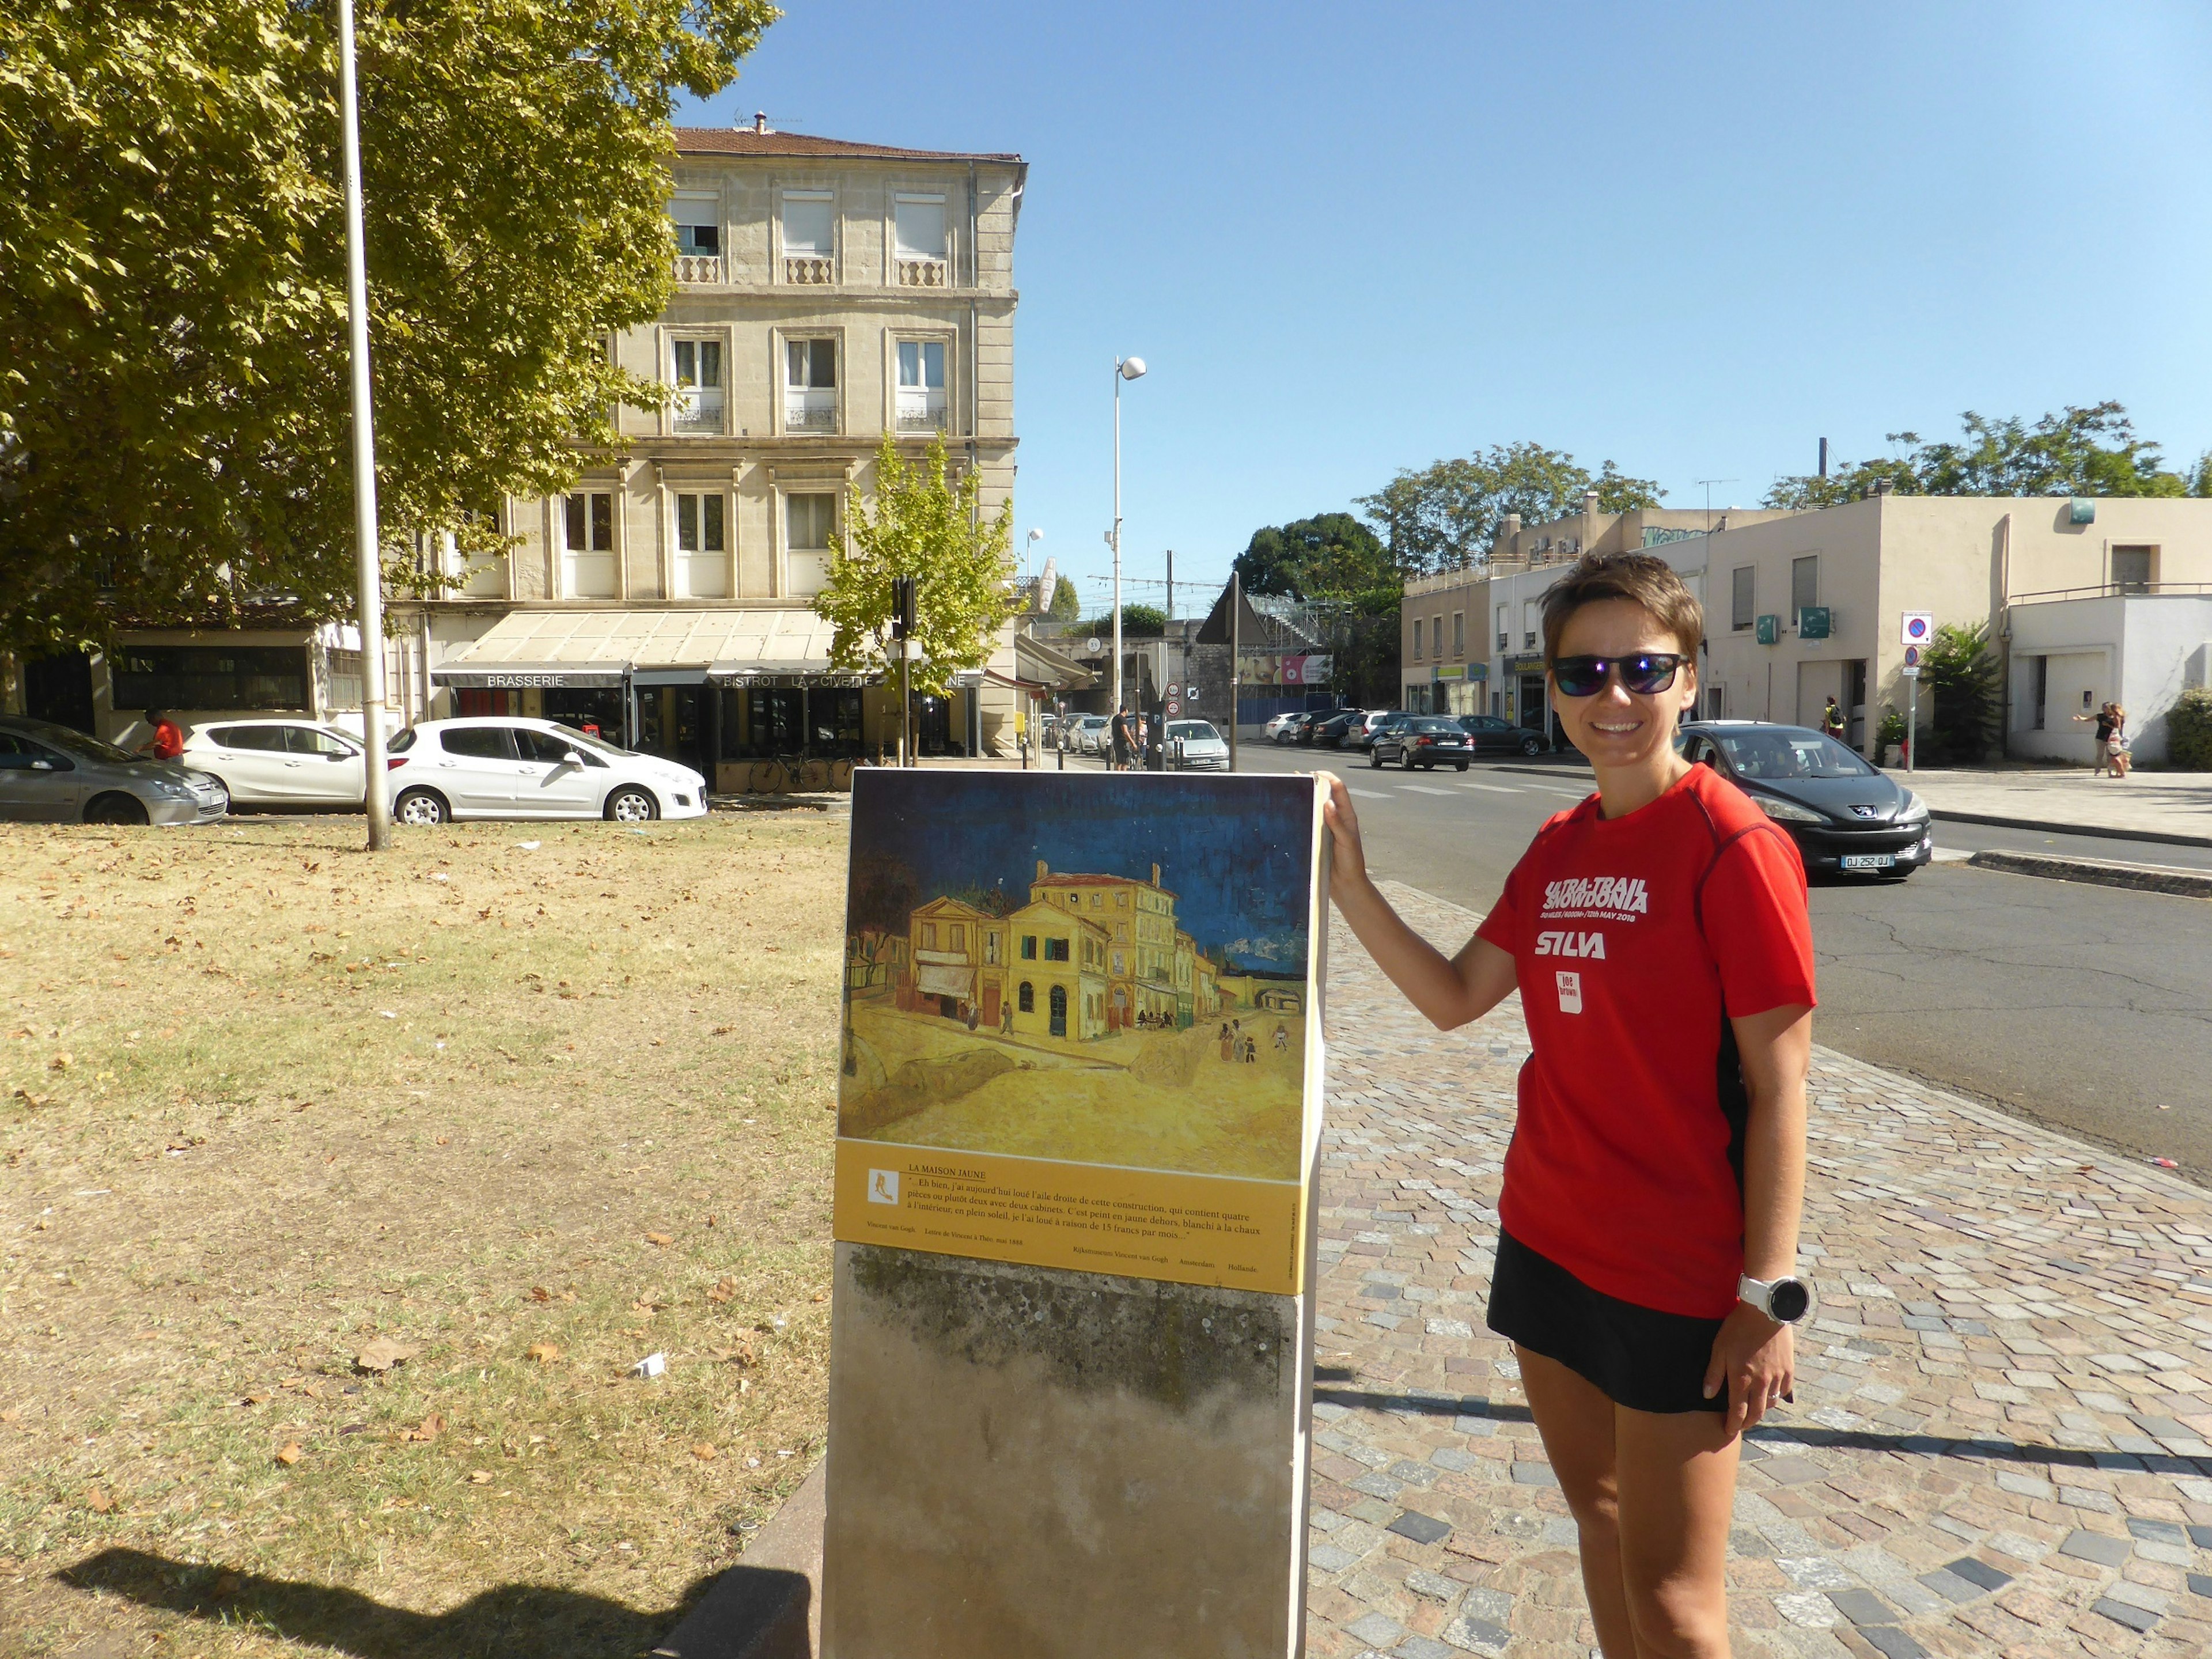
(1635,940)
(168,740)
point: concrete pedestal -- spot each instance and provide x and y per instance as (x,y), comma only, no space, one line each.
(1026,1461)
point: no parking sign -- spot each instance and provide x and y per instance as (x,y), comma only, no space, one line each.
(1920,627)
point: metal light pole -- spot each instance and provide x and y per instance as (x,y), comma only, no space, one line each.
(367,554)
(1125,368)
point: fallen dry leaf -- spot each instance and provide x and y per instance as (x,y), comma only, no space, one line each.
(703,1452)
(723,1292)
(539,1293)
(98,1500)
(479,1477)
(660,1239)
(289,1453)
(544,1352)
(442,1139)
(11,1414)
(428,1429)
(821,1296)
(383,1355)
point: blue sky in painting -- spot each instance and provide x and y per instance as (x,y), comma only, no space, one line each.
(1235,851)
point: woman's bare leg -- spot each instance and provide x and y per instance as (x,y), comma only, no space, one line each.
(1675,1476)
(1575,1420)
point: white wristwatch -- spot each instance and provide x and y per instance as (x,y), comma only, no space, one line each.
(1785,1301)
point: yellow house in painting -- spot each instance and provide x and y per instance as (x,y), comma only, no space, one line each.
(1138,919)
(1056,963)
(956,957)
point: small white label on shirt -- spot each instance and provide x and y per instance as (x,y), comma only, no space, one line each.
(1570,991)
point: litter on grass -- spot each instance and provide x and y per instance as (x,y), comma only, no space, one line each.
(652,1365)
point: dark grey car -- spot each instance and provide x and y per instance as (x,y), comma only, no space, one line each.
(1844,815)
(51,774)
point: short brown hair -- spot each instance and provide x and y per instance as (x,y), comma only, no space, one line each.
(1642,578)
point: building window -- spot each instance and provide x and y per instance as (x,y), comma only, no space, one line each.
(919,234)
(809,386)
(1029,947)
(1804,586)
(1027,998)
(929,936)
(2131,568)
(809,536)
(1056,950)
(921,385)
(1529,624)
(187,677)
(1739,602)
(809,233)
(697,221)
(703,548)
(1505,637)
(990,948)
(959,936)
(1417,638)
(695,370)
(1459,635)
(587,557)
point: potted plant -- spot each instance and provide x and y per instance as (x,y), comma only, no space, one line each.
(1889,736)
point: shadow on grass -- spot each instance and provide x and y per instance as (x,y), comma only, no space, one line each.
(513,1621)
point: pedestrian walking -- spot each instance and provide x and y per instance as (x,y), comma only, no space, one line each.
(1123,736)
(1832,721)
(167,741)
(1648,1225)
(1226,1040)
(2103,759)
(1282,1039)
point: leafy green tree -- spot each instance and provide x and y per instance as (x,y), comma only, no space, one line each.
(1445,515)
(2189,731)
(1139,622)
(1329,556)
(2082,451)
(925,525)
(2200,476)
(174,422)
(1065,604)
(1962,671)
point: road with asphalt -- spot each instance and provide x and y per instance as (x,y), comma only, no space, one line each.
(2086,1008)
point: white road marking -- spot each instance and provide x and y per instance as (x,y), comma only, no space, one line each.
(1494,789)
(1422,789)
(1365,794)
(1571,794)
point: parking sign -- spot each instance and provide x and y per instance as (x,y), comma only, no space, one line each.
(1920,627)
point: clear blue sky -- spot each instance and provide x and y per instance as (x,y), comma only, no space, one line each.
(1693,237)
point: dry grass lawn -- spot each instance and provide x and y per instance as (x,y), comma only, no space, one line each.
(530,1111)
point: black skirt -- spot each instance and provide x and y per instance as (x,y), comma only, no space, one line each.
(1640,1358)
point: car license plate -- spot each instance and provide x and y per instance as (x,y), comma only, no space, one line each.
(1869,860)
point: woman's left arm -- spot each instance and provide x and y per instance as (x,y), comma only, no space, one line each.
(1753,1357)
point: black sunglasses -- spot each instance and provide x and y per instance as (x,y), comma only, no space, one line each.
(1644,673)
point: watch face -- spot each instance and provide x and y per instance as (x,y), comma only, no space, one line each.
(1790,1300)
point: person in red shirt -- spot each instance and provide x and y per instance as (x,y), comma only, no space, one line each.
(1647,1246)
(168,739)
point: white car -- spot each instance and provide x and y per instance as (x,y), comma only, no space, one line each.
(491,768)
(1203,749)
(1091,734)
(1276,730)
(300,764)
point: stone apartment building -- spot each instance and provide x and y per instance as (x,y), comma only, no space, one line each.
(827,292)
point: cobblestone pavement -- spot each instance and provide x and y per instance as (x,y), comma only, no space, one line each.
(1999,1444)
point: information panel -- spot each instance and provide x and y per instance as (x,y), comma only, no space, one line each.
(1081,1021)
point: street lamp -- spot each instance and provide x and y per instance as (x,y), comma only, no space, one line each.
(1028,557)
(1125,368)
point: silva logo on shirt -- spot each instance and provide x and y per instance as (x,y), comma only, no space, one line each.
(1570,991)
(1570,943)
(1619,896)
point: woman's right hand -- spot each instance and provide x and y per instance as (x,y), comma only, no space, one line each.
(1348,861)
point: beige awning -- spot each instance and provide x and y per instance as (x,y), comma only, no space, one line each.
(788,643)
(940,981)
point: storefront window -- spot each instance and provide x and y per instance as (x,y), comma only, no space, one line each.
(774,720)
(596,713)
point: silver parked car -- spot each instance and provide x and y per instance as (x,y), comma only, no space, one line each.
(51,773)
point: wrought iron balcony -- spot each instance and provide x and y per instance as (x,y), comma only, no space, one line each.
(918,415)
(809,412)
(697,409)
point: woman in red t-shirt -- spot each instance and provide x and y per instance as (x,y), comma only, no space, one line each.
(1648,1228)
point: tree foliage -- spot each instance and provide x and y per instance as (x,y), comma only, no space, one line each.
(2189,731)
(1445,515)
(2086,451)
(1962,672)
(1066,606)
(174,418)
(1139,622)
(1331,556)
(928,526)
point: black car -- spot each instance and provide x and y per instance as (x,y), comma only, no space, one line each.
(1427,741)
(1328,734)
(1492,736)
(1844,814)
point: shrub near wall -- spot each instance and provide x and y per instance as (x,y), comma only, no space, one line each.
(2189,732)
